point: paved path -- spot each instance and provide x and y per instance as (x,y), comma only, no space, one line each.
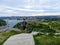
(20,39)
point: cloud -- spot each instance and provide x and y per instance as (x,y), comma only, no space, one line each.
(47,14)
(7,0)
(23,7)
(9,11)
(12,9)
(6,10)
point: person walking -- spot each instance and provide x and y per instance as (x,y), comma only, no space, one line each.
(24,23)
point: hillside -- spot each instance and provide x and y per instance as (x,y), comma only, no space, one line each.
(2,23)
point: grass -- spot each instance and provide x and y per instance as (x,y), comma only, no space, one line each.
(5,35)
(46,40)
(40,26)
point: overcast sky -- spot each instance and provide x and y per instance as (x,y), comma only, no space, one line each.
(29,7)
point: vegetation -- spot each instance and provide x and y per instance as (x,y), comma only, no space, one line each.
(40,26)
(5,35)
(47,40)
(2,23)
(50,27)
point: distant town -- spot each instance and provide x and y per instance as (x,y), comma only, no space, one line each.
(32,17)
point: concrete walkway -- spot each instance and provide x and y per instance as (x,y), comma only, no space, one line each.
(20,39)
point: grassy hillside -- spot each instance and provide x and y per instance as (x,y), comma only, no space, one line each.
(50,27)
(5,35)
(2,23)
(47,40)
(41,26)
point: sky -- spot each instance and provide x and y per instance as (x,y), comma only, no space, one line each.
(29,7)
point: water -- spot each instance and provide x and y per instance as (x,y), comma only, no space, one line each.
(10,24)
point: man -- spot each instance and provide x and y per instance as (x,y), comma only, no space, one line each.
(24,23)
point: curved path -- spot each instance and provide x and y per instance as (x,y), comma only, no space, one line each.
(20,39)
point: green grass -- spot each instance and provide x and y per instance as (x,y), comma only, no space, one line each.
(46,40)
(40,26)
(2,23)
(5,35)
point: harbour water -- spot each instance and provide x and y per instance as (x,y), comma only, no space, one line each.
(10,24)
